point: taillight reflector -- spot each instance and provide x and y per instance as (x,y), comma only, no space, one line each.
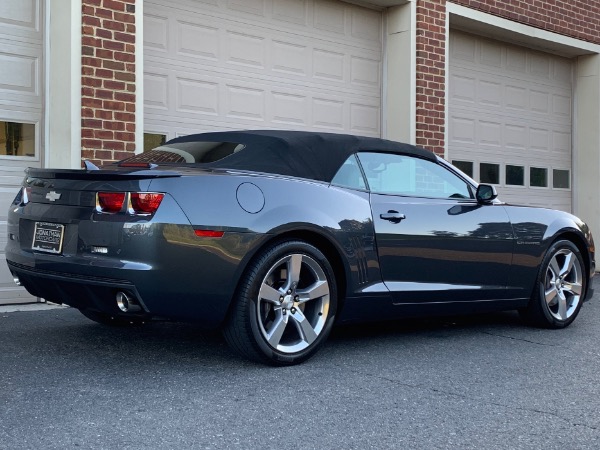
(22,197)
(145,202)
(209,233)
(110,202)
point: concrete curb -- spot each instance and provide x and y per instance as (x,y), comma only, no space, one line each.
(30,307)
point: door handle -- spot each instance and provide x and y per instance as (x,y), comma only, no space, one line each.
(392,216)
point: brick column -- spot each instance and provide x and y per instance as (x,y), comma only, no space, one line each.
(108,80)
(431,74)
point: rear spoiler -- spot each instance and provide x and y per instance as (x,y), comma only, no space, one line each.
(100,174)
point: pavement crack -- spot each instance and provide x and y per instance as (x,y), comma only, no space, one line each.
(473,399)
(518,339)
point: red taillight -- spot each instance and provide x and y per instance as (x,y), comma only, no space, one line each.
(141,203)
(110,202)
(145,202)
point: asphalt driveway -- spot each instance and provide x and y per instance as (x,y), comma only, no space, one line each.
(476,382)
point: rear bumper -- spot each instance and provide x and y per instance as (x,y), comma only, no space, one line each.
(190,302)
(79,292)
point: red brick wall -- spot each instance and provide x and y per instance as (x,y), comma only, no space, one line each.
(108,80)
(431,74)
(575,18)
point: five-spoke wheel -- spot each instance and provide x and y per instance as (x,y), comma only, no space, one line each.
(293,303)
(563,284)
(285,306)
(560,286)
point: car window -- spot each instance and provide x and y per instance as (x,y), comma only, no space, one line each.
(187,153)
(405,175)
(349,175)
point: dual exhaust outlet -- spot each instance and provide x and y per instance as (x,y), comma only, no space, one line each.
(127,303)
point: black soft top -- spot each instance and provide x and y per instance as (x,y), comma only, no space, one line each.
(305,154)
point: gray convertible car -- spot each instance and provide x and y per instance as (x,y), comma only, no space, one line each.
(272,236)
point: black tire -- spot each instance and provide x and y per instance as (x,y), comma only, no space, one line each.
(559,288)
(111,320)
(272,324)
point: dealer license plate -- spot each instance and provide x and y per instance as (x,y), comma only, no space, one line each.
(48,237)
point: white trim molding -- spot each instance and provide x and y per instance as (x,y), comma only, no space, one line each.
(400,103)
(139,77)
(63,89)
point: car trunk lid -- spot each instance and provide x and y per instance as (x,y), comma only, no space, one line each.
(79,187)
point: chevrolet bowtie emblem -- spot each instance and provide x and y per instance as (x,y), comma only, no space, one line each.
(53,196)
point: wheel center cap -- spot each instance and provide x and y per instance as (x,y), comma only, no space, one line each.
(288,302)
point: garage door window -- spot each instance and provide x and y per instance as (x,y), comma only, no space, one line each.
(561,179)
(489,173)
(17,139)
(538,177)
(465,166)
(515,175)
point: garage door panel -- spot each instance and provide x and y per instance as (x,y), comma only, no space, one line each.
(364,119)
(20,74)
(219,67)
(290,59)
(471,52)
(255,7)
(510,119)
(328,20)
(161,75)
(289,108)
(488,128)
(366,25)
(503,95)
(266,53)
(291,11)
(20,20)
(232,102)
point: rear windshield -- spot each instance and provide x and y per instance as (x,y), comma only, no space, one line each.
(188,153)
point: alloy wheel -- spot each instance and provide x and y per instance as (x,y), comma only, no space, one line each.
(563,285)
(293,303)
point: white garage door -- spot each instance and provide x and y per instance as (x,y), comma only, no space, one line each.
(510,119)
(21,48)
(251,64)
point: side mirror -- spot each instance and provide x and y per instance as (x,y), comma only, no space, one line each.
(485,193)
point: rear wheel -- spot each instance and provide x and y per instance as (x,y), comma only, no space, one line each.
(109,319)
(560,287)
(285,306)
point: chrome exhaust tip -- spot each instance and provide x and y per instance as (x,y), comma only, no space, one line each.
(16,280)
(127,304)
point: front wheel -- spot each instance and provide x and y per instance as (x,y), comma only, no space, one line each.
(285,305)
(560,287)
